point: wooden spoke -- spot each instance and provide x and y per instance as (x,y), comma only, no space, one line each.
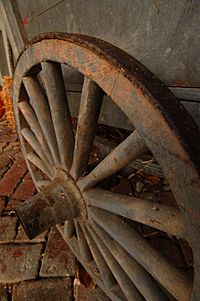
(55,90)
(122,155)
(32,140)
(106,275)
(162,217)
(124,282)
(35,160)
(32,121)
(83,246)
(91,100)
(69,229)
(154,262)
(115,294)
(40,105)
(137,274)
(43,183)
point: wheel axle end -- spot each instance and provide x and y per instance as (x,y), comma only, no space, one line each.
(48,208)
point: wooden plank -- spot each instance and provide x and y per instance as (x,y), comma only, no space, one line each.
(74,81)
(5,62)
(53,10)
(34,9)
(160,34)
(194,109)
(6,26)
(186,93)
(50,18)
(4,69)
(111,115)
(14,25)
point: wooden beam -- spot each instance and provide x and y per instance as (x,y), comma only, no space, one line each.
(14,26)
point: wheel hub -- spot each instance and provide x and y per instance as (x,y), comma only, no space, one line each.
(61,200)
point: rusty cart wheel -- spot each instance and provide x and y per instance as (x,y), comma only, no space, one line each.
(98,222)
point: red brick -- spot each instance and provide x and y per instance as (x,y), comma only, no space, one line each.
(8,138)
(58,261)
(4,131)
(2,146)
(2,204)
(4,169)
(12,204)
(8,227)
(25,190)
(22,237)
(6,134)
(92,293)
(43,290)
(6,157)
(13,177)
(14,145)
(19,262)
(4,164)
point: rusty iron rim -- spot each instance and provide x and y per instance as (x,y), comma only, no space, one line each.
(162,125)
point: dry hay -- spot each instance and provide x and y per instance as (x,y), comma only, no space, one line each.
(2,109)
(6,105)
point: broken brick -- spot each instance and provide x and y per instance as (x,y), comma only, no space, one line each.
(22,236)
(12,204)
(8,225)
(50,289)
(58,261)
(2,204)
(25,190)
(19,262)
(93,293)
(13,177)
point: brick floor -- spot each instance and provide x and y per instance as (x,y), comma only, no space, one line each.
(92,293)
(6,157)
(57,259)
(2,146)
(44,268)
(53,289)
(26,190)
(12,204)
(8,227)
(22,237)
(2,204)
(20,258)
(13,177)
(19,262)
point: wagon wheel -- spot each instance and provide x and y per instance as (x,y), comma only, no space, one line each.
(97,226)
